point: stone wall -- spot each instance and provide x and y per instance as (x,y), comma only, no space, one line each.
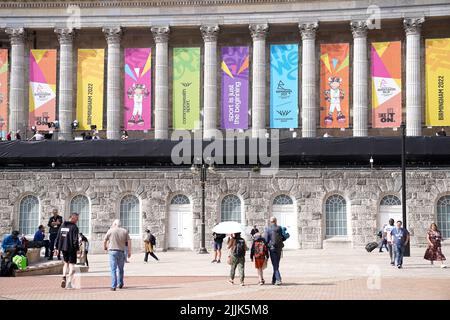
(362,190)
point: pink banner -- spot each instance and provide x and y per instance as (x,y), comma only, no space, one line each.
(137,113)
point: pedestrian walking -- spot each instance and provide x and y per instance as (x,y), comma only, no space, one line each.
(149,243)
(237,248)
(260,253)
(400,238)
(383,239)
(54,223)
(254,231)
(434,252)
(218,242)
(387,230)
(115,241)
(67,242)
(274,240)
(84,250)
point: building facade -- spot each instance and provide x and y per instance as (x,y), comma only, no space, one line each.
(323,207)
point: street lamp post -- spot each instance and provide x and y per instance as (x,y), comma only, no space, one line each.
(403,126)
(203,182)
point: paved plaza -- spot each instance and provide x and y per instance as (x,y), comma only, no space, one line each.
(307,274)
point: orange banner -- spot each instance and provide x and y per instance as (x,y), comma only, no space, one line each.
(334,85)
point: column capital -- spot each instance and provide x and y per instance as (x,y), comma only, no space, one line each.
(359,28)
(161,33)
(259,31)
(308,30)
(210,33)
(113,35)
(65,35)
(413,25)
(16,35)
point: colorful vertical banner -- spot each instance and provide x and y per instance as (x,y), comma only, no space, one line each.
(235,73)
(138,75)
(437,71)
(284,86)
(42,105)
(386,84)
(3,93)
(334,85)
(186,88)
(90,88)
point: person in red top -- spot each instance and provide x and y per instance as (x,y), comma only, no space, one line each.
(9,136)
(259,252)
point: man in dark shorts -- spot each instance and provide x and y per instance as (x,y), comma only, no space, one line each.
(218,241)
(67,243)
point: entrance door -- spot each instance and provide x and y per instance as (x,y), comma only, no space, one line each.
(284,210)
(390,207)
(180,223)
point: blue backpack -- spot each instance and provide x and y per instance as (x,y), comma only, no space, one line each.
(284,234)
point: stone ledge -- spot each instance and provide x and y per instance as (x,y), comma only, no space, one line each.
(337,242)
(46,268)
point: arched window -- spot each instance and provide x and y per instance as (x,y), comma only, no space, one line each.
(129,214)
(231,208)
(390,200)
(80,205)
(443,216)
(180,199)
(336,216)
(282,199)
(29,215)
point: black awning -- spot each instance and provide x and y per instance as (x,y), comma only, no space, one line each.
(311,151)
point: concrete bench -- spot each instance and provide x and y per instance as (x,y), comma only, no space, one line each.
(33,255)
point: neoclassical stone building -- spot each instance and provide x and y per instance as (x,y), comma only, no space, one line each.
(322,206)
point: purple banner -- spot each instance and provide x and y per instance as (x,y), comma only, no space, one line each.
(137,113)
(235,63)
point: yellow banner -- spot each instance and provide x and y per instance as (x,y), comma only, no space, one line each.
(437,69)
(90,88)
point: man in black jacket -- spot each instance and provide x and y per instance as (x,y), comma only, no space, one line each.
(67,242)
(54,223)
(274,240)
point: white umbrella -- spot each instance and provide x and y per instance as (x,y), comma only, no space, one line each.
(228,227)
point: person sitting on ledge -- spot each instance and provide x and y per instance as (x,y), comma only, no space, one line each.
(11,242)
(441,133)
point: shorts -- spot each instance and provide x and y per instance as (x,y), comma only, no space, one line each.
(217,246)
(70,256)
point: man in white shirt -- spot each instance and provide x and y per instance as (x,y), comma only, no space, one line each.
(38,136)
(387,231)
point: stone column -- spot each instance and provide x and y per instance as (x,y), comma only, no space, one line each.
(114,98)
(210,34)
(413,77)
(259,32)
(359,30)
(65,91)
(308,32)
(161,36)
(18,111)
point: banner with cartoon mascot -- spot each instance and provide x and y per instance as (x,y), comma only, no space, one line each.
(334,85)
(138,77)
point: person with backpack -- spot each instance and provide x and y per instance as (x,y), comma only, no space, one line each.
(237,247)
(67,242)
(149,243)
(260,253)
(218,241)
(274,239)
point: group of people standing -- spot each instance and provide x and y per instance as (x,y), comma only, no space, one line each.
(395,238)
(264,246)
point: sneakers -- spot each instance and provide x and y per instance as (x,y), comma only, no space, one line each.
(328,119)
(443,266)
(131,121)
(242,284)
(230,281)
(218,261)
(399,266)
(113,289)
(278,283)
(140,121)
(69,286)
(214,261)
(63,282)
(392,264)
(341,118)
(120,286)
(145,262)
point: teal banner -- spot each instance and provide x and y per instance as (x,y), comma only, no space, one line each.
(284,86)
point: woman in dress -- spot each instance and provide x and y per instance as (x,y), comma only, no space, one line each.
(433,252)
